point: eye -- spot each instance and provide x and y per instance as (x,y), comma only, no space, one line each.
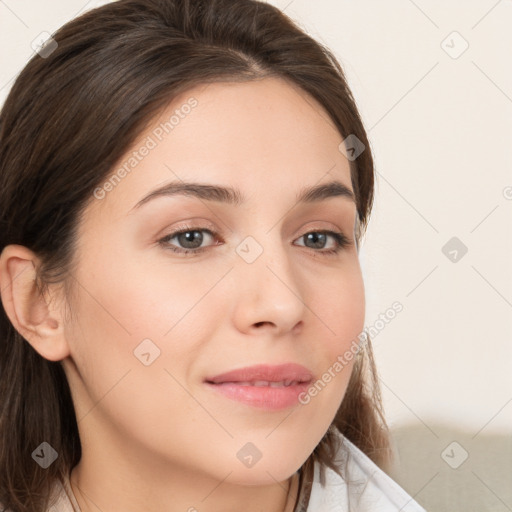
(319,238)
(191,238)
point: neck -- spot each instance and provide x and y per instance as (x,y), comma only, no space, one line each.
(93,491)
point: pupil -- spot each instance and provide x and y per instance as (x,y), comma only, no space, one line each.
(185,239)
(315,237)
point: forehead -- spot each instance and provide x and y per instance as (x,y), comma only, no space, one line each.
(263,137)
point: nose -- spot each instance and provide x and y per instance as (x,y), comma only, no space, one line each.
(269,293)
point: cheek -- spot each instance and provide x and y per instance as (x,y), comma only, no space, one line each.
(124,311)
(340,306)
(123,302)
(341,312)
(137,298)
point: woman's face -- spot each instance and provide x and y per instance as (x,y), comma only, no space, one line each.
(152,327)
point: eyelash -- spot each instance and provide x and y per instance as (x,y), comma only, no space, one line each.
(341,240)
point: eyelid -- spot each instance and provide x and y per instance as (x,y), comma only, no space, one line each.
(193,226)
(341,240)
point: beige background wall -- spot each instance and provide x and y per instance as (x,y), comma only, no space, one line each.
(433,80)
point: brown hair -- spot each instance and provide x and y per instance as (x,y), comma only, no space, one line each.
(69,117)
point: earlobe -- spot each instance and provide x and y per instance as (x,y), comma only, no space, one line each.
(31,314)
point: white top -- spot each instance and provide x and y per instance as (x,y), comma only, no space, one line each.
(368,488)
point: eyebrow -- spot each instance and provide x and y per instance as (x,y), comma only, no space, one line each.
(233,196)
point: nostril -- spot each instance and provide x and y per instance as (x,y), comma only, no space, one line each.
(258,324)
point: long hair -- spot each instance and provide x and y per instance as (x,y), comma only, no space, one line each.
(72,112)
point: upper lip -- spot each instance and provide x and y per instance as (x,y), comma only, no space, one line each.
(264,372)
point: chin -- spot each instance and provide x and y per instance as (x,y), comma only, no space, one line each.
(264,475)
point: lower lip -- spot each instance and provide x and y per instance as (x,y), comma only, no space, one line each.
(263,397)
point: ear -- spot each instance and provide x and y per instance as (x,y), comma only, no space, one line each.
(34,316)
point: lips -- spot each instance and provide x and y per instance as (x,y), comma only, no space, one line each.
(266,383)
(263,386)
(264,375)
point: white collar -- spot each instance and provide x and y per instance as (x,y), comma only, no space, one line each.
(369,488)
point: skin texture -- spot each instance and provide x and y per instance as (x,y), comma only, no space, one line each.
(155,437)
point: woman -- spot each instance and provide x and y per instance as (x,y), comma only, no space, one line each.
(184,186)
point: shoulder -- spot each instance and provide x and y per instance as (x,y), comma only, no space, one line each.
(365,487)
